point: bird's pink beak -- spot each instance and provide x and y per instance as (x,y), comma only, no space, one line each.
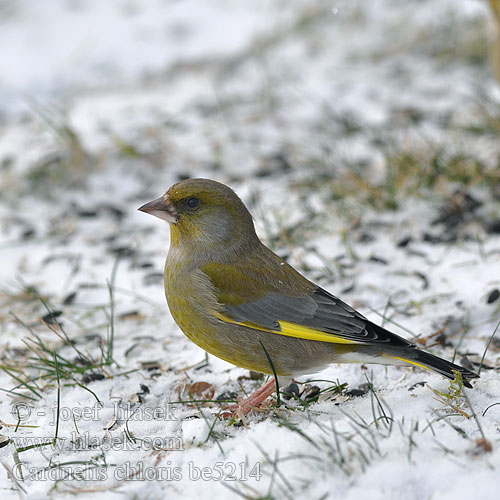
(161,209)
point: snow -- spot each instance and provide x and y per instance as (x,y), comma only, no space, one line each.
(104,105)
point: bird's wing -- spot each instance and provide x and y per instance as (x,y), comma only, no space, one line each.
(315,315)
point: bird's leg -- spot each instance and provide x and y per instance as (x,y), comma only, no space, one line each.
(245,406)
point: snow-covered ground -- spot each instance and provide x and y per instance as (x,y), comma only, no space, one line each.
(313,112)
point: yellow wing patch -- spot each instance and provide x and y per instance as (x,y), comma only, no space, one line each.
(410,362)
(292,330)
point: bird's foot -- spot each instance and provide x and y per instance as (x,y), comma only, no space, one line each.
(252,402)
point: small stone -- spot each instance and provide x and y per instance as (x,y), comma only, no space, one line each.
(51,317)
(417,384)
(378,260)
(150,365)
(144,389)
(92,377)
(310,392)
(291,391)
(227,396)
(359,391)
(493,295)
(123,251)
(28,234)
(69,299)
(79,360)
(366,238)
(116,212)
(404,242)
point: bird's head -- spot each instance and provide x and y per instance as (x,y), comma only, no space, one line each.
(204,214)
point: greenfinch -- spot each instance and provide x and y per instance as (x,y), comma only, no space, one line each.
(237,300)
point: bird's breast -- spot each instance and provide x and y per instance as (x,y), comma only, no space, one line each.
(190,297)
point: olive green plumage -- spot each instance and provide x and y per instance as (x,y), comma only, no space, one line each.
(236,299)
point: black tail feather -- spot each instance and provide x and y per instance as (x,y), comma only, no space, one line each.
(442,366)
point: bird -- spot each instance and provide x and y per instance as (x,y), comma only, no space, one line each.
(238,300)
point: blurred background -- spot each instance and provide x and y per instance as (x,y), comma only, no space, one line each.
(338,123)
(368,100)
(363,135)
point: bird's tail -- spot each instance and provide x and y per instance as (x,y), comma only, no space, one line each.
(423,359)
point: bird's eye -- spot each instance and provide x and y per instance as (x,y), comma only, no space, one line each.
(193,203)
